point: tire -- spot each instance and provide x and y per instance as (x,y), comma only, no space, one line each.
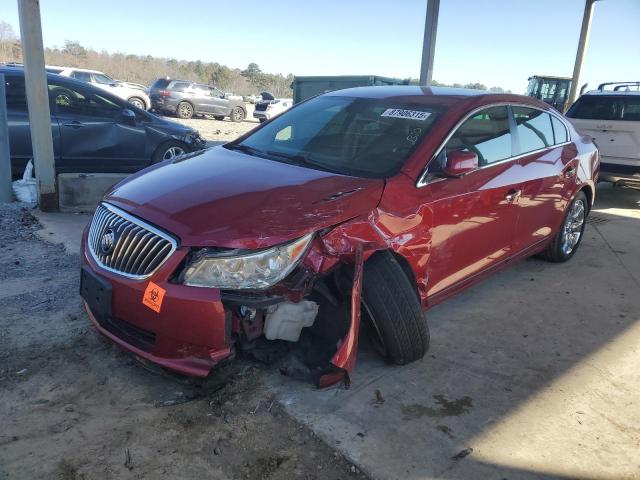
(138,103)
(391,307)
(168,150)
(237,114)
(565,243)
(184,110)
(218,117)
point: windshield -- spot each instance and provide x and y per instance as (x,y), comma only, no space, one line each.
(353,136)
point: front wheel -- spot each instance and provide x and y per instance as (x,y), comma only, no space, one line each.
(392,311)
(169,150)
(568,238)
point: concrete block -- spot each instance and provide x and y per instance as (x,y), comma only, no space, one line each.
(83,191)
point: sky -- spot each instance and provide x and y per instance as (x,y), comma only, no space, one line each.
(494,42)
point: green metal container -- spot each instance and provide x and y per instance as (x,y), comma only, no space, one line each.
(305,87)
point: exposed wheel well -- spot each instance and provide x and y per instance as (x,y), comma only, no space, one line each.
(589,193)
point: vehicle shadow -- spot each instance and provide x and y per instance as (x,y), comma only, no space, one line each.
(529,374)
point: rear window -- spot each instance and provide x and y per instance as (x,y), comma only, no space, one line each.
(606,107)
(160,83)
(534,129)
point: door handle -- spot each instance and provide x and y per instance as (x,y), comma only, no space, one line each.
(512,195)
(74,124)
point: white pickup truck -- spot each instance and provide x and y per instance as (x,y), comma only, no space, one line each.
(612,118)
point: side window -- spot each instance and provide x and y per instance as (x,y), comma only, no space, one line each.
(84,76)
(487,134)
(533,128)
(15,92)
(179,86)
(559,131)
(76,101)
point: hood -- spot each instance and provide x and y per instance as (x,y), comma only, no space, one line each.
(224,198)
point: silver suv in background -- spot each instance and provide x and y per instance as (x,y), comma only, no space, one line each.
(134,93)
(612,119)
(186,99)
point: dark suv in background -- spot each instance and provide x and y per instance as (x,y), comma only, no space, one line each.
(186,99)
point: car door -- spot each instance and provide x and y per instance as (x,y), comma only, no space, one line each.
(474,215)
(218,104)
(199,96)
(548,166)
(19,126)
(94,134)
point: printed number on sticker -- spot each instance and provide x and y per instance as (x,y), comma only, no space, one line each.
(410,114)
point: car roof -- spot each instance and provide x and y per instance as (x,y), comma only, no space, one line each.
(444,96)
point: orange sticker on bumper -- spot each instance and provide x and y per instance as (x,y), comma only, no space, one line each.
(153,296)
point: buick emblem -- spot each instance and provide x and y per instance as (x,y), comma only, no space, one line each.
(108,241)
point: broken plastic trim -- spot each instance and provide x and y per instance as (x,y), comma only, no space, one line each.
(345,358)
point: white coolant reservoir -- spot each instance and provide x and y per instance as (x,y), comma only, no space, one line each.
(286,320)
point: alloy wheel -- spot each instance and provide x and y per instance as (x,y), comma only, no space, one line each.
(173,152)
(573,227)
(137,103)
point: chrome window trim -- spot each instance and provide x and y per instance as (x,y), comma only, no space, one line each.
(422,179)
(140,223)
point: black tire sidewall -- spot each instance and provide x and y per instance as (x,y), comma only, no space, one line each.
(178,110)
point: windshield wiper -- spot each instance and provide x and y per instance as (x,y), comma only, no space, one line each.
(302,160)
(246,149)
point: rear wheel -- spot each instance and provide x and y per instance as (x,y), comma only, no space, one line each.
(568,238)
(184,110)
(169,150)
(391,308)
(237,114)
(138,103)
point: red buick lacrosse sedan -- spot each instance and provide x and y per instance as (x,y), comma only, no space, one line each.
(358,207)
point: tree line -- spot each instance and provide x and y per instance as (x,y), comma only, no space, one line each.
(145,69)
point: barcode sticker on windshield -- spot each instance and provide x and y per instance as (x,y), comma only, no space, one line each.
(400,113)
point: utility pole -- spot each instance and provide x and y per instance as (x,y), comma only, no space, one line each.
(5,158)
(429,42)
(582,46)
(38,103)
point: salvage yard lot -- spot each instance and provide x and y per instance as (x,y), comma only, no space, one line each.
(531,374)
(216,132)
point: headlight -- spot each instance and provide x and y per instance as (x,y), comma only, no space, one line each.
(258,270)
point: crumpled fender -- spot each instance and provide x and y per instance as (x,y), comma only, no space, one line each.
(405,230)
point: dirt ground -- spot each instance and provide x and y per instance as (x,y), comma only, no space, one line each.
(75,406)
(220,131)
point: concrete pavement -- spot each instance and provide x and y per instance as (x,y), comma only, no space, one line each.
(531,374)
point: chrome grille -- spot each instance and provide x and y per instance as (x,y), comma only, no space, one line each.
(137,248)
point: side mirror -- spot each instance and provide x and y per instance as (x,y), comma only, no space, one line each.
(128,117)
(459,163)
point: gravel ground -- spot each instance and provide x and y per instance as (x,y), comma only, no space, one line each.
(75,406)
(217,132)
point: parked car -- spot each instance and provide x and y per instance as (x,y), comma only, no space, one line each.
(612,119)
(270,106)
(387,199)
(252,98)
(134,93)
(93,131)
(186,99)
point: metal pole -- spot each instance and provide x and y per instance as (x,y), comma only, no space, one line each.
(582,46)
(38,103)
(6,195)
(429,42)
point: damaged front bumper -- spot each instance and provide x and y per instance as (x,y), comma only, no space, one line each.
(191,330)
